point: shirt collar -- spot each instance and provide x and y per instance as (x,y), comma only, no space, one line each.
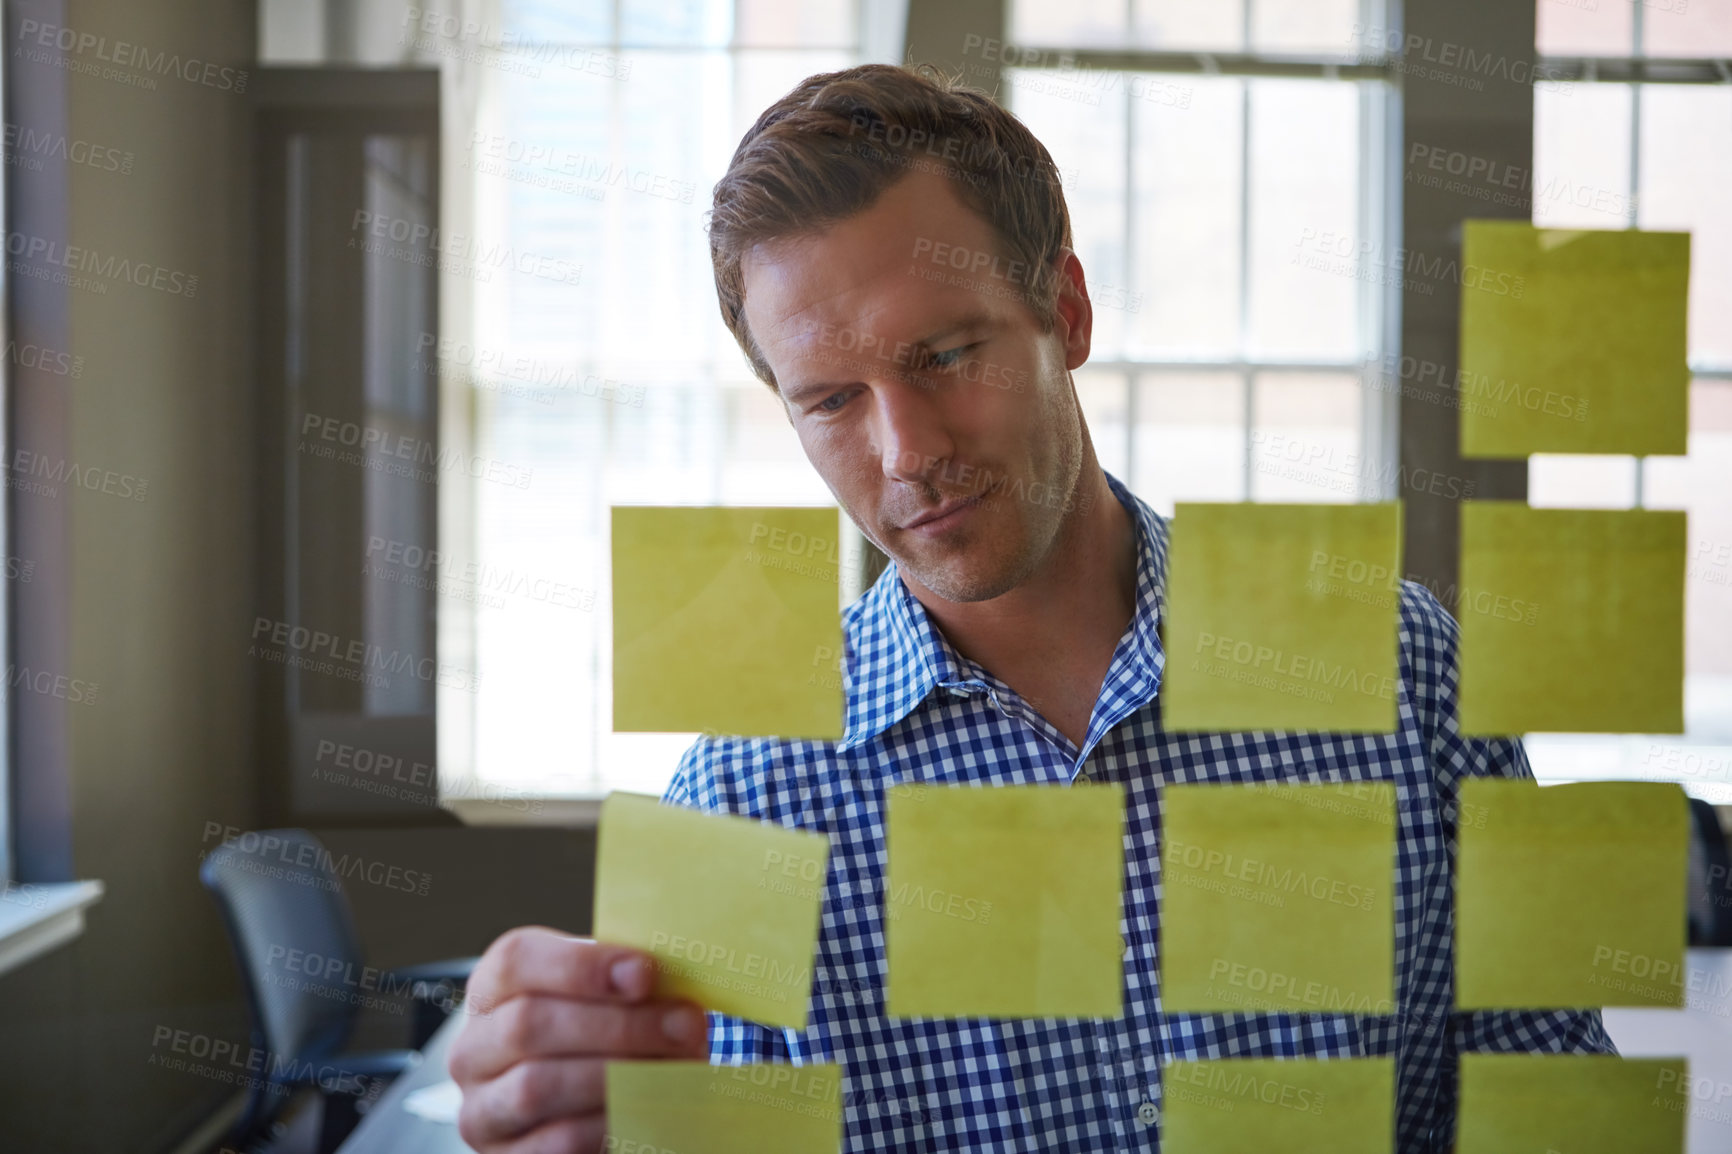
(897,656)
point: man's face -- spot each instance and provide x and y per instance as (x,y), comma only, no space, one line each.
(919,389)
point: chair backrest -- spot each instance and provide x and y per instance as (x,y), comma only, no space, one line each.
(293,937)
(1710,878)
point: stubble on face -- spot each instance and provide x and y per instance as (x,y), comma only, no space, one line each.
(1021,453)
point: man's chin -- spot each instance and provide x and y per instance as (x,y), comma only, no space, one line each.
(960,575)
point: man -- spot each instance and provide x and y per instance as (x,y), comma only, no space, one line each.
(894,256)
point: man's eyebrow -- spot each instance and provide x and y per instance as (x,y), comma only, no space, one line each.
(978,318)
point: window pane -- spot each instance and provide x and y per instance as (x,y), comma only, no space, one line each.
(1304,197)
(1305,439)
(794,23)
(1581,155)
(1217,24)
(556,20)
(689,23)
(1188,155)
(1084,23)
(1693,28)
(1686,175)
(1583,27)
(1190,438)
(1087,143)
(1322,27)
(1102,395)
(1581,481)
(607,388)
(1701,483)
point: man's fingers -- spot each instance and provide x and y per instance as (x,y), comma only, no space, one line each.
(533,1026)
(537,960)
(533,1093)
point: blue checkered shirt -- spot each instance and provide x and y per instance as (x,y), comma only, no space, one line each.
(918,711)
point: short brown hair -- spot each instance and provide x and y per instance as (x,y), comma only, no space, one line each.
(829,148)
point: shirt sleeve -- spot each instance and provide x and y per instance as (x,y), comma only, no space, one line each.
(733,1041)
(1455,757)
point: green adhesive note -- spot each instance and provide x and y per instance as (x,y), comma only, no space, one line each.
(1572,340)
(1278,898)
(727,905)
(1570,896)
(697,1108)
(725,621)
(1579,1103)
(1572,620)
(1291,1105)
(1004,901)
(1283,617)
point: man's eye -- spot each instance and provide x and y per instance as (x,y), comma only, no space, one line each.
(948,359)
(833,402)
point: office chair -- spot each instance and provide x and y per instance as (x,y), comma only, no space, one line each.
(1710,878)
(302,968)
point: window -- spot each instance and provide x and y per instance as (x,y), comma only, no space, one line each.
(1637,142)
(1232,226)
(601,129)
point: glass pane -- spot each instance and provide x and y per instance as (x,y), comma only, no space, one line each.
(794,23)
(1183,24)
(1102,395)
(1692,28)
(1582,155)
(1700,758)
(1188,157)
(1584,27)
(1320,27)
(1305,439)
(1686,175)
(1043,24)
(1304,203)
(1087,143)
(1581,481)
(689,23)
(553,21)
(1701,483)
(762,461)
(1190,438)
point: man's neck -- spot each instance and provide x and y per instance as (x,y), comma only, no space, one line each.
(1068,617)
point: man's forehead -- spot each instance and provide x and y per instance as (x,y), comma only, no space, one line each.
(861,270)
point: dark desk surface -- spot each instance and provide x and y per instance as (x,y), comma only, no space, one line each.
(390,1129)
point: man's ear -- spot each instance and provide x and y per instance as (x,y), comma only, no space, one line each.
(1075,315)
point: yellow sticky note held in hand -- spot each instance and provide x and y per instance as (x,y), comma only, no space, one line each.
(1572,340)
(1278,898)
(1570,896)
(1290,1105)
(725,620)
(1572,620)
(1283,617)
(1582,1103)
(728,905)
(1004,901)
(667,1107)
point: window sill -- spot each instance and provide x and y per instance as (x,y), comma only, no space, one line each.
(553,812)
(35,919)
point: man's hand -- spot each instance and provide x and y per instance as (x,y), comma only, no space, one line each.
(547,1011)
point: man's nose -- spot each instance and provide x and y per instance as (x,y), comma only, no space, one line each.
(912,437)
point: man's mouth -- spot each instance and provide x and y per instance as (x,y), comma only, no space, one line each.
(941,517)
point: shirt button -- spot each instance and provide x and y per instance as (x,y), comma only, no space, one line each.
(1147,1113)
